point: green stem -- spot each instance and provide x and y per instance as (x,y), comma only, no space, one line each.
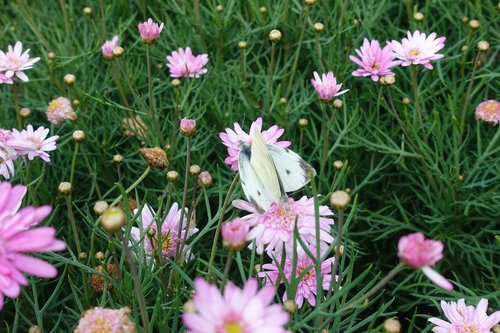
(467,96)
(297,52)
(270,81)
(73,163)
(318,51)
(227,268)
(152,109)
(414,83)
(338,243)
(184,199)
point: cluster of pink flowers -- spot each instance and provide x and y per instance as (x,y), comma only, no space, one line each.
(108,47)
(28,142)
(14,63)
(17,237)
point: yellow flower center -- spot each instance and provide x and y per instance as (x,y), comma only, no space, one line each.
(414,52)
(54,104)
(490,109)
(102,326)
(469,329)
(166,244)
(233,328)
(375,66)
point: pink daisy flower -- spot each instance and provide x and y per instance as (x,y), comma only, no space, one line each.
(7,157)
(326,86)
(306,288)
(374,62)
(5,80)
(59,110)
(169,231)
(15,62)
(106,320)
(418,49)
(234,234)
(233,139)
(463,318)
(420,253)
(247,310)
(150,31)
(489,111)
(33,143)
(108,46)
(182,63)
(17,237)
(274,228)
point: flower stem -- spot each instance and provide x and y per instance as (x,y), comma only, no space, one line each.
(152,109)
(229,261)
(184,199)
(467,96)
(318,51)
(305,11)
(15,96)
(414,83)
(338,243)
(73,163)
(270,82)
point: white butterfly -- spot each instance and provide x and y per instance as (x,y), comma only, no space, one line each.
(268,172)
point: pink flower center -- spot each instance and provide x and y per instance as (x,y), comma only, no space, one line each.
(415,52)
(280,216)
(14,61)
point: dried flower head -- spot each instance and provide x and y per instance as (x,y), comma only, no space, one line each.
(60,109)
(135,127)
(156,157)
(488,111)
(98,280)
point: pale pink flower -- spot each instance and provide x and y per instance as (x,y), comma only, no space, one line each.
(205,178)
(183,63)
(246,310)
(274,228)
(418,49)
(326,86)
(150,31)
(489,111)
(169,231)
(374,62)
(465,318)
(234,234)
(106,320)
(233,139)
(18,237)
(7,157)
(59,110)
(306,288)
(108,46)
(188,126)
(420,253)
(5,80)
(15,61)
(33,143)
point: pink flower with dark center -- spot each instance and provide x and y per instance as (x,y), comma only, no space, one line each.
(234,234)
(274,228)
(233,139)
(306,288)
(489,111)
(418,49)
(150,31)
(107,48)
(326,86)
(33,143)
(17,237)
(246,310)
(420,253)
(374,62)
(59,110)
(465,318)
(106,321)
(5,80)
(15,62)
(169,231)
(184,64)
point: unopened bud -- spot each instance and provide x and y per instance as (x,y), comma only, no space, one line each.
(175,83)
(79,136)
(82,256)
(35,329)
(290,306)
(75,102)
(310,2)
(118,158)
(205,178)
(51,55)
(219,8)
(194,169)
(69,79)
(283,101)
(172,176)
(275,36)
(338,164)
(464,48)
(392,325)
(87,10)
(151,232)
(188,127)
(460,178)
(406,101)
(337,103)
(242,44)
(340,199)
(113,219)
(483,46)
(160,65)
(474,24)
(100,207)
(25,112)
(465,19)
(318,27)
(388,80)
(263,10)
(340,252)
(257,268)
(65,188)
(189,307)
(303,122)
(118,51)
(418,16)
(99,256)
(496,328)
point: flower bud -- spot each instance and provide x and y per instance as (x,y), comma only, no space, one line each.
(275,36)
(188,127)
(465,19)
(25,112)
(194,169)
(290,306)
(392,325)
(496,328)
(303,122)
(418,16)
(283,101)
(460,178)
(82,256)
(242,44)
(118,51)
(205,178)
(160,65)
(51,55)
(176,83)
(99,256)
(156,157)
(263,10)
(79,136)
(341,250)
(483,46)
(388,80)
(258,268)
(340,199)
(234,234)
(35,329)
(151,232)
(337,103)
(65,188)
(118,158)
(338,164)
(318,27)
(100,207)
(75,102)
(406,101)
(189,307)
(474,24)
(69,79)
(172,176)
(464,48)
(310,2)
(113,219)
(219,8)
(87,10)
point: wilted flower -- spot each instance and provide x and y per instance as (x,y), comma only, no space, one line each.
(420,253)
(489,111)
(60,109)
(15,62)
(156,157)
(98,281)
(374,62)
(274,228)
(17,237)
(182,63)
(418,49)
(233,139)
(134,127)
(33,143)
(463,318)
(326,86)
(150,31)
(106,320)
(246,310)
(108,46)
(234,234)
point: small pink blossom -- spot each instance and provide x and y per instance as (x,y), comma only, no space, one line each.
(184,64)
(233,139)
(374,62)
(150,31)
(17,237)
(465,318)
(247,310)
(106,321)
(15,62)
(418,49)
(420,253)
(274,228)
(234,234)
(489,111)
(107,48)
(33,143)
(5,80)
(306,288)
(326,86)
(59,110)
(205,178)
(188,126)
